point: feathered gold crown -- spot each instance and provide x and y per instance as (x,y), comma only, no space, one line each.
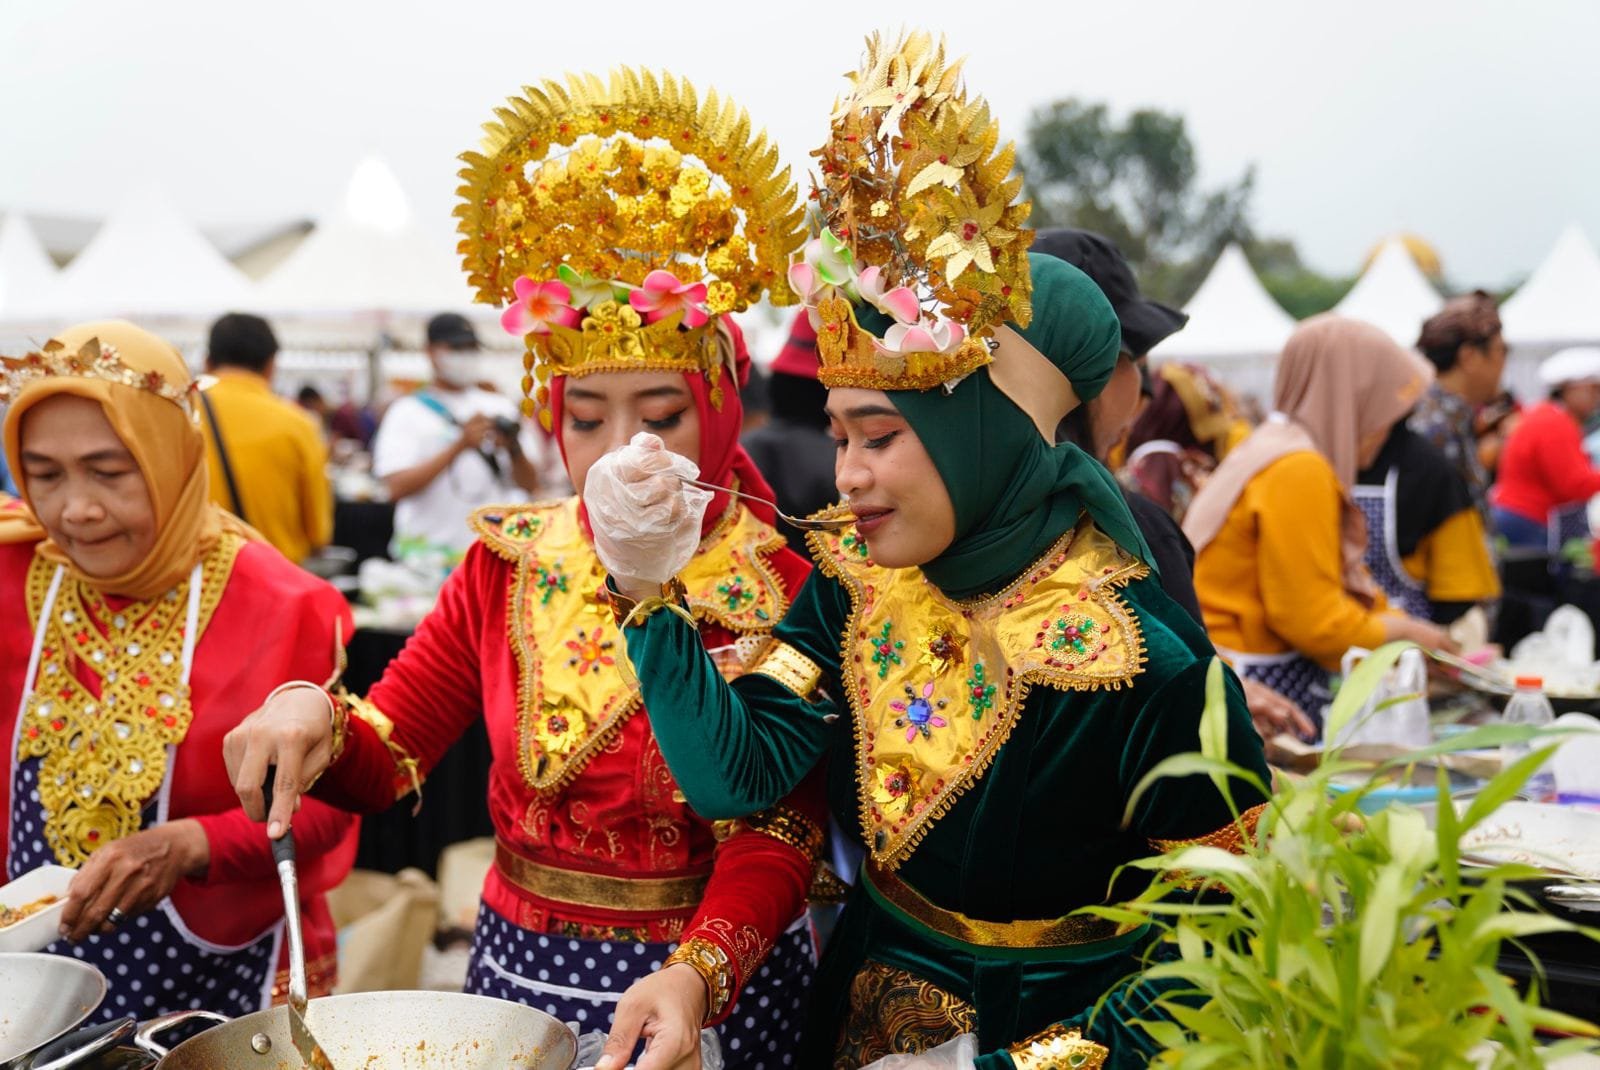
(920,219)
(618,219)
(92,360)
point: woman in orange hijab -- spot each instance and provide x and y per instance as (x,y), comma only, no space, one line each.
(1278,540)
(144,624)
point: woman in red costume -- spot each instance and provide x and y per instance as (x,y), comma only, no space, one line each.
(140,624)
(603,874)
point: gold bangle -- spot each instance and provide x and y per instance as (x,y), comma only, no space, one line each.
(631,612)
(783,663)
(1057,1048)
(788,825)
(711,963)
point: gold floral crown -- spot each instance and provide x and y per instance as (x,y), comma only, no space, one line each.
(920,219)
(92,360)
(618,220)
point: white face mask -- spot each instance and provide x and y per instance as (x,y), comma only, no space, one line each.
(457,369)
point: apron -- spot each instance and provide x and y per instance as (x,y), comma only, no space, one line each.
(583,980)
(1292,675)
(1378,507)
(153,963)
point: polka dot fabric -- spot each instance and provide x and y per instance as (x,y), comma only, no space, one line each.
(151,965)
(1377,507)
(582,981)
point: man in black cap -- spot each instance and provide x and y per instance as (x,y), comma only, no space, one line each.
(1098,426)
(453,447)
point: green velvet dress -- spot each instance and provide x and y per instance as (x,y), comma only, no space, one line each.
(1017,812)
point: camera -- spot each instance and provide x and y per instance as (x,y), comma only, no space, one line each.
(507,428)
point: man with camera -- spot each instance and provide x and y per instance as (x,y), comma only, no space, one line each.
(452,447)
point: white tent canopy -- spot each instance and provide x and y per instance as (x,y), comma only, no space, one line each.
(1231,316)
(1392,294)
(27,274)
(148,260)
(1560,302)
(368,256)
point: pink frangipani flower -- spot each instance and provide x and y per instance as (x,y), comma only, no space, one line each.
(538,305)
(662,295)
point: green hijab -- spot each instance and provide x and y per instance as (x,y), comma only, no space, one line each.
(1015,494)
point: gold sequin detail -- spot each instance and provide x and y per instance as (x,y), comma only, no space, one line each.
(1229,837)
(104,756)
(714,968)
(1058,1048)
(789,667)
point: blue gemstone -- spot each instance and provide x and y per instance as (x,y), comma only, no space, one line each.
(918,710)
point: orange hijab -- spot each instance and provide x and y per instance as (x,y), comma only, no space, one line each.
(167,445)
(1340,382)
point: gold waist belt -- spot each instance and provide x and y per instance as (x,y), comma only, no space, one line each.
(597,892)
(1043,932)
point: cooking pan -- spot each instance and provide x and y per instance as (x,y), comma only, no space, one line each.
(43,997)
(376,1031)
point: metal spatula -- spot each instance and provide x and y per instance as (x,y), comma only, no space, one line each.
(311,1052)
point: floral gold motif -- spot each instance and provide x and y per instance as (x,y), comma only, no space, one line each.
(92,360)
(892,1011)
(910,770)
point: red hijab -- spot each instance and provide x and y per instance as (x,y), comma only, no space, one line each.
(722,459)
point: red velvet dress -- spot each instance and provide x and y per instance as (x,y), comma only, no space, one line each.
(262,621)
(597,849)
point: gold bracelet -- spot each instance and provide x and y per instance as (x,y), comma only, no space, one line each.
(1057,1048)
(630,611)
(336,715)
(408,775)
(781,662)
(711,963)
(788,825)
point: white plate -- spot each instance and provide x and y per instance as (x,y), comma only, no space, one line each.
(1560,839)
(35,931)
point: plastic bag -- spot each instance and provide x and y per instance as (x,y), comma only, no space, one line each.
(958,1054)
(592,1044)
(1402,723)
(646,521)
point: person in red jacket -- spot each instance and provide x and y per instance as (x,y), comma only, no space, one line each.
(610,899)
(1543,468)
(140,623)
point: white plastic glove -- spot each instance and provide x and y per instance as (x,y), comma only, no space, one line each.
(646,520)
(958,1054)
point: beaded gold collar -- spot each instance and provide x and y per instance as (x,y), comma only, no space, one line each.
(575,685)
(935,686)
(103,744)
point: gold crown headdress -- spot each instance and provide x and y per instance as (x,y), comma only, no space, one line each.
(920,219)
(619,219)
(92,360)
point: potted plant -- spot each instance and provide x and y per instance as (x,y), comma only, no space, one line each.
(1343,942)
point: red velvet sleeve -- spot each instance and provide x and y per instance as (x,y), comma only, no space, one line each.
(432,691)
(759,882)
(240,850)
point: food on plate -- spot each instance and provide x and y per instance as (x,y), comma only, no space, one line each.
(10,916)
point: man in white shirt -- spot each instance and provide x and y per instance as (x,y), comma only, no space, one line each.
(451,448)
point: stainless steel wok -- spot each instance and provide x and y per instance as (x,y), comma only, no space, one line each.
(377,1031)
(41,998)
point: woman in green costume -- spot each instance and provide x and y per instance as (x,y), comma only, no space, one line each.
(984,659)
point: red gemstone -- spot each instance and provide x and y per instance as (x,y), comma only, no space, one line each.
(170,721)
(150,711)
(93,836)
(58,724)
(33,732)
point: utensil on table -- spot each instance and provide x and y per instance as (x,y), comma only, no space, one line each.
(801,522)
(299,1031)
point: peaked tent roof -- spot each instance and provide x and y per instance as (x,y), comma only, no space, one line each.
(1560,302)
(1231,315)
(27,274)
(148,260)
(368,256)
(1392,294)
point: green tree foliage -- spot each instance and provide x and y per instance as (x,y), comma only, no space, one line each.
(1137,182)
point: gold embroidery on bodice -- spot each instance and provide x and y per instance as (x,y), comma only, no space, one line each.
(575,687)
(935,685)
(103,749)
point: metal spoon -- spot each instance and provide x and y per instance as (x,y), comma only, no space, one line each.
(801,522)
(283,854)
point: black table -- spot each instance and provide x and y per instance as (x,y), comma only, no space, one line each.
(455,795)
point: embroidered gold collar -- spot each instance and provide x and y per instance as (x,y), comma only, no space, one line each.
(103,750)
(575,687)
(935,685)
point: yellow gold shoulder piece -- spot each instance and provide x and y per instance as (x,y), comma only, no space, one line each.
(730,582)
(509,530)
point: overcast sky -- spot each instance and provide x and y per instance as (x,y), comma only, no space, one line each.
(1476,125)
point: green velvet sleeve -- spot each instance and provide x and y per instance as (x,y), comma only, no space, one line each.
(735,749)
